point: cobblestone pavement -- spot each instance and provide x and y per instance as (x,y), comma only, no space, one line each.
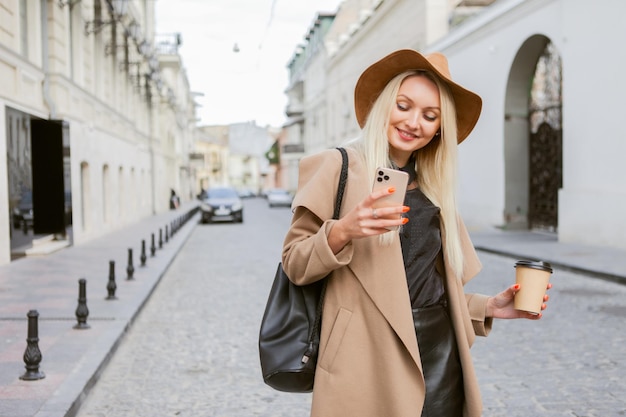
(570,363)
(192,351)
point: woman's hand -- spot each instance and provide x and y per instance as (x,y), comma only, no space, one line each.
(363,221)
(501,305)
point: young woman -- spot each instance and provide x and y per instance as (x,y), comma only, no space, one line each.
(397,326)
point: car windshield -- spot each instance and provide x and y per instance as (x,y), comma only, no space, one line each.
(222,193)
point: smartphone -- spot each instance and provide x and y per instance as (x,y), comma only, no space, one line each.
(385,178)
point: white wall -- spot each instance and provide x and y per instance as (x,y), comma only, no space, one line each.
(592,202)
(396,24)
(97,149)
(589,38)
(5,244)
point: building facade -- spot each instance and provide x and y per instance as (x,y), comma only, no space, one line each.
(536,160)
(233,155)
(524,164)
(96,119)
(337,49)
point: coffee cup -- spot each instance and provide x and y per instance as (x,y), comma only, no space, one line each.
(533,278)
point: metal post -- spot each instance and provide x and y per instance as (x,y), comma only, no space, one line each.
(130,269)
(143,252)
(152,247)
(32,355)
(111,286)
(82,312)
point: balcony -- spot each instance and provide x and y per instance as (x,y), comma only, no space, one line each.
(294,109)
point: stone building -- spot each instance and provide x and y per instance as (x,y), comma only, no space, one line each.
(96,119)
(538,159)
(337,47)
(233,155)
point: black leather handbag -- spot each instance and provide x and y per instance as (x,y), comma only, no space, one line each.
(290,330)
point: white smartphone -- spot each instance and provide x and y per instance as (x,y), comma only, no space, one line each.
(385,178)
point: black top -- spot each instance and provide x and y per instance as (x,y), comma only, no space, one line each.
(420,239)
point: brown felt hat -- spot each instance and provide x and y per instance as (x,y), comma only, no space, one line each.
(375,78)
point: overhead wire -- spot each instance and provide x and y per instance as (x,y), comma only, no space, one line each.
(268,25)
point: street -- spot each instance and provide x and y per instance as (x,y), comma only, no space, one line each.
(192,351)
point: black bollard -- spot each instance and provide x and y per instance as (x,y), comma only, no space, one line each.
(82,312)
(130,269)
(24,226)
(160,238)
(32,355)
(111,286)
(152,247)
(167,238)
(143,252)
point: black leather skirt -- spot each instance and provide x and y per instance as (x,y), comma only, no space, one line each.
(440,362)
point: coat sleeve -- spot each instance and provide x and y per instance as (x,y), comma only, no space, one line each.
(476,304)
(307,256)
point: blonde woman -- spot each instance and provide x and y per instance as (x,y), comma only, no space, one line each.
(397,326)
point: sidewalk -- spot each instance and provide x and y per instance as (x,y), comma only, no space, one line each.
(73,359)
(601,262)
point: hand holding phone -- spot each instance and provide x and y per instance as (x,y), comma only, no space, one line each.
(383,180)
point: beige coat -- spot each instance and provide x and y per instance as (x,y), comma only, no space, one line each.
(369,363)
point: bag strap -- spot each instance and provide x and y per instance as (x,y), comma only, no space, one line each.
(342,182)
(314,335)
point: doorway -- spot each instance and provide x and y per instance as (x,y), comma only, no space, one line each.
(533,137)
(40,199)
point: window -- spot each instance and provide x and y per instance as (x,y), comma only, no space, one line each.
(24,28)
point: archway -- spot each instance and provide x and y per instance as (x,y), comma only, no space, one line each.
(532,137)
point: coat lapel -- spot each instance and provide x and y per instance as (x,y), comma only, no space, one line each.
(380,269)
(381,273)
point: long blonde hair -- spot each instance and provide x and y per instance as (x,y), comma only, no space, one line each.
(435,164)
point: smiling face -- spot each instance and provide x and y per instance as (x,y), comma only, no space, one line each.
(415,118)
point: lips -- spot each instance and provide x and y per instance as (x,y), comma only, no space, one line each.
(405,135)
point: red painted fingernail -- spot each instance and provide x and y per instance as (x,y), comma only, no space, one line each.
(391,190)
(405,220)
(516,286)
(405,209)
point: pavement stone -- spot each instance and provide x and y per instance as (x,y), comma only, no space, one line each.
(74,359)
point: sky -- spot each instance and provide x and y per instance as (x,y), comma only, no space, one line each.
(247,85)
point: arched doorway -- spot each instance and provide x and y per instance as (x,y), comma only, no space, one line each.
(546,147)
(532,137)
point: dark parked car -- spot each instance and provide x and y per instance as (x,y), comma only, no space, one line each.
(222,203)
